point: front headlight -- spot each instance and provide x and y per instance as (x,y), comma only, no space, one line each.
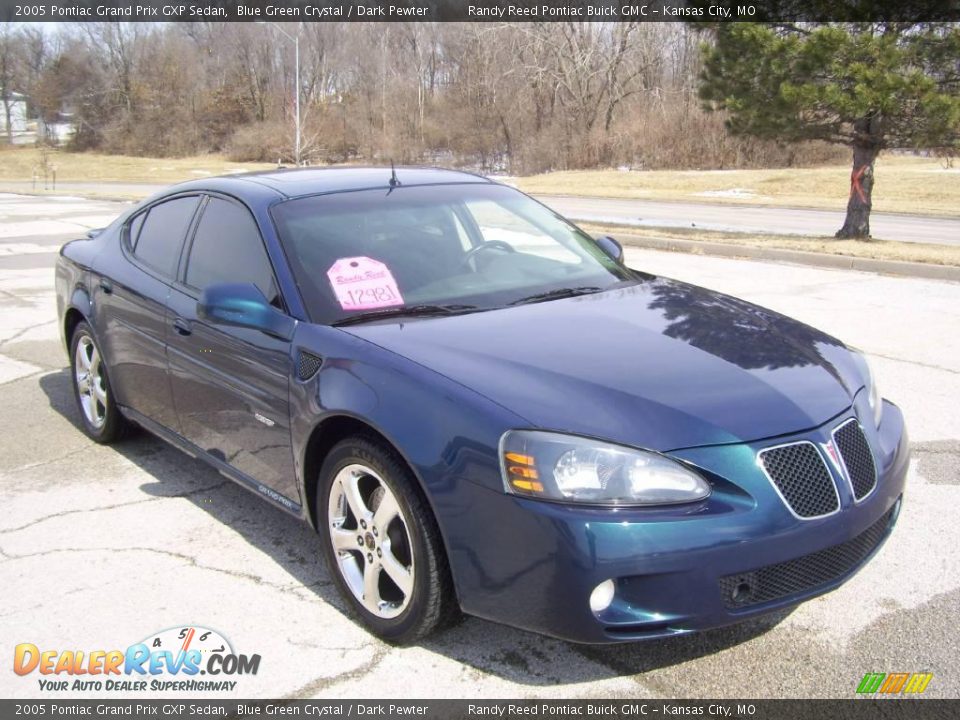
(873,392)
(552,466)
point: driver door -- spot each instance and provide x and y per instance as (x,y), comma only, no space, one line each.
(230,384)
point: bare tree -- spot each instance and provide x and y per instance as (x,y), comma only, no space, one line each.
(520,97)
(7,74)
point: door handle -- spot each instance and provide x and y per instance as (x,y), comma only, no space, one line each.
(106,286)
(182,326)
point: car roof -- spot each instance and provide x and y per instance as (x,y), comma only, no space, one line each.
(315,181)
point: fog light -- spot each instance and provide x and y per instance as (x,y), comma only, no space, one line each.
(602,596)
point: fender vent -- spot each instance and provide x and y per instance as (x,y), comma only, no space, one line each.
(307,364)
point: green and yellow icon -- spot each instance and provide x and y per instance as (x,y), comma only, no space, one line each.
(894,683)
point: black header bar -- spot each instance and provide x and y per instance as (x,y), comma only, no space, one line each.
(638,709)
(480,10)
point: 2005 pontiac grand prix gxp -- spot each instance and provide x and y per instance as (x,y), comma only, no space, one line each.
(480,407)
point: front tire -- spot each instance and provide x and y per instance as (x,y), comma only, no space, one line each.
(99,415)
(382,544)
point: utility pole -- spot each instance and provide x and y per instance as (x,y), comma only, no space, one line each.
(295,39)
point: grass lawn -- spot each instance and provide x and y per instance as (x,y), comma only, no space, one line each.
(904,184)
(876,249)
(21,164)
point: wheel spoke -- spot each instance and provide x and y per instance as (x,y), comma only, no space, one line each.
(89,381)
(90,405)
(82,349)
(371,587)
(386,511)
(397,572)
(343,539)
(361,539)
(351,491)
(98,392)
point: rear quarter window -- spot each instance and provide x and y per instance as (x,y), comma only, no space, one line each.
(133,230)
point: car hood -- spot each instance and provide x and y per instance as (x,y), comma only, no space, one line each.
(660,364)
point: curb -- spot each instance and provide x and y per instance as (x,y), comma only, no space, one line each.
(838,262)
(711,202)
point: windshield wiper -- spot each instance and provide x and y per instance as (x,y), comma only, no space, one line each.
(405,311)
(557,294)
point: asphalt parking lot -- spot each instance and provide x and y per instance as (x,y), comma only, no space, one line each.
(101,547)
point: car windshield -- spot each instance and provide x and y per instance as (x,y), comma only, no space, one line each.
(434,250)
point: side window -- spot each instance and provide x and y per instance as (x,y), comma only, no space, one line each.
(227,248)
(159,239)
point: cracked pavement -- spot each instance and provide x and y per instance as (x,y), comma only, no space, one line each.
(102,546)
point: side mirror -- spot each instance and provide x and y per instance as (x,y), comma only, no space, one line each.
(243,305)
(611,247)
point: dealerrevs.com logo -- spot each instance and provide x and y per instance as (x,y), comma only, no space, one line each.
(170,660)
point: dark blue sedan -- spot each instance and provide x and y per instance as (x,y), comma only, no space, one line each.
(481,408)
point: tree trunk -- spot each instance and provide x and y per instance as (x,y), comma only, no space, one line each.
(865,151)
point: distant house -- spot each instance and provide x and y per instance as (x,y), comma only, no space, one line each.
(13,106)
(59,130)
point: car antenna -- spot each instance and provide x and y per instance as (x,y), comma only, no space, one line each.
(394,180)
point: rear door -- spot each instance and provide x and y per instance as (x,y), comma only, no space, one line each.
(230,384)
(131,301)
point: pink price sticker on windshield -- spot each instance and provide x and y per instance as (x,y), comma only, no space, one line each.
(361,283)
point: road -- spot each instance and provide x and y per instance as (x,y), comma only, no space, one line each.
(102,546)
(704,216)
(751,219)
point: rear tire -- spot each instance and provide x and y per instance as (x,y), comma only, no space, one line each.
(99,414)
(382,544)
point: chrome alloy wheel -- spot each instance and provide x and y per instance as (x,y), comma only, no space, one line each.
(371,541)
(90,382)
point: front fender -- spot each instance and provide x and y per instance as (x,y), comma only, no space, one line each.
(447,433)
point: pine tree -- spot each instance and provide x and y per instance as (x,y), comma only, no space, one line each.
(870,86)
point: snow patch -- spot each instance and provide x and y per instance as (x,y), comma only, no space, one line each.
(504,179)
(737,193)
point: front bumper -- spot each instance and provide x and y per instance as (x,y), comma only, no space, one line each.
(738,554)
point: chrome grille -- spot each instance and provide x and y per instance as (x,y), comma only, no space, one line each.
(802,479)
(857,458)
